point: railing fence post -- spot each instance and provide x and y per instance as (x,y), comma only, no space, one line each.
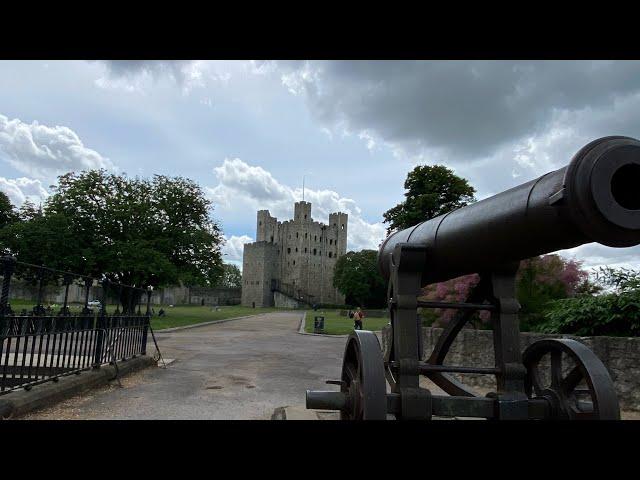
(8,266)
(147,321)
(101,325)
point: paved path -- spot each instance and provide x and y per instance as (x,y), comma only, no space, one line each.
(242,369)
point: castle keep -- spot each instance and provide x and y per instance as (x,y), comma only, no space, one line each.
(294,258)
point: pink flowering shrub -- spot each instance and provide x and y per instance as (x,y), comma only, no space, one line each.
(454,290)
(539,281)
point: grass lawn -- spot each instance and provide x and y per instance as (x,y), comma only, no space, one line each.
(182,315)
(177,316)
(335,324)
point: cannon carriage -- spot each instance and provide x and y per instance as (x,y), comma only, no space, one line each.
(595,198)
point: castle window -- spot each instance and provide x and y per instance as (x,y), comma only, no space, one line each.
(260,223)
(305,217)
(296,249)
(305,250)
(271,238)
(329,254)
(294,262)
(315,238)
(257,282)
(314,251)
(343,226)
(296,234)
(288,250)
(330,242)
(305,235)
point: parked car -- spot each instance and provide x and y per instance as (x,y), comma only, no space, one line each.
(94,303)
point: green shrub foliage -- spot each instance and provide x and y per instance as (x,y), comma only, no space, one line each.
(615,311)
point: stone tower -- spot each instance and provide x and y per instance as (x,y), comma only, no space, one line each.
(294,258)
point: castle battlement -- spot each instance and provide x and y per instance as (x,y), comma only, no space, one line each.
(300,253)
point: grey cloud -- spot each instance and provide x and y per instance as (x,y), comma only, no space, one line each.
(127,68)
(468,108)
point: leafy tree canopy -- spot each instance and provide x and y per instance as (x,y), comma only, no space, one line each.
(231,276)
(614,311)
(357,277)
(432,190)
(136,231)
(7,210)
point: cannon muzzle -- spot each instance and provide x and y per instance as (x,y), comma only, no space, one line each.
(596,198)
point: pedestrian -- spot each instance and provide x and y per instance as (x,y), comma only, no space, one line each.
(357,317)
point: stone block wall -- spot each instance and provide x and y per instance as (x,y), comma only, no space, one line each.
(301,253)
(621,356)
(283,301)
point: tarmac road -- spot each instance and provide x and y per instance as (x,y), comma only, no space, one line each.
(241,369)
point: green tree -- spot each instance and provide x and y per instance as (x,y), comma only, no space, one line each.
(542,280)
(432,190)
(8,213)
(134,231)
(231,276)
(356,276)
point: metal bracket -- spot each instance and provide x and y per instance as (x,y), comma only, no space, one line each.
(415,404)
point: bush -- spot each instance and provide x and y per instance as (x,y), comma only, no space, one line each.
(454,290)
(541,281)
(616,312)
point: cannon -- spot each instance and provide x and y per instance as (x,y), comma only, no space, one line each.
(595,198)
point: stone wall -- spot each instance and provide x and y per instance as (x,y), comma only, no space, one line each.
(259,265)
(621,356)
(283,301)
(166,296)
(196,296)
(300,253)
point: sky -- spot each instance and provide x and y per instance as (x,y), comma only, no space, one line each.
(248,132)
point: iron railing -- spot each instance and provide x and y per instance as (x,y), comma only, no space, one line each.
(42,345)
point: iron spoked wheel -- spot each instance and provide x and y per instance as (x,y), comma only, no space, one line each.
(363,380)
(572,378)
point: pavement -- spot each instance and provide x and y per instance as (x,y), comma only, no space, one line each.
(241,369)
(251,368)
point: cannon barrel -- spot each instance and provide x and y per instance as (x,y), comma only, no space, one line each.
(596,198)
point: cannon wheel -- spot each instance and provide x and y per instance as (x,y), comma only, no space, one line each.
(363,379)
(597,402)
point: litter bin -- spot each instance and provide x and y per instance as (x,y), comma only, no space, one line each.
(318,324)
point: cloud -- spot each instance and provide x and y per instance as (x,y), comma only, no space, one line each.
(594,255)
(244,189)
(233,249)
(465,108)
(21,189)
(138,75)
(43,152)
